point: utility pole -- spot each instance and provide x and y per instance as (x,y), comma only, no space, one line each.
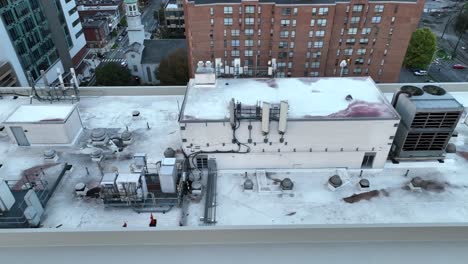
(450,20)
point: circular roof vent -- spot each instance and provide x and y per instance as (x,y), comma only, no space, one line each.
(434,90)
(413,90)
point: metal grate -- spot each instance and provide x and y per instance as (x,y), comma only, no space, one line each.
(255,111)
(435,120)
(426,141)
(202,161)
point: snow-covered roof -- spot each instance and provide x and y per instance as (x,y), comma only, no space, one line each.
(41,113)
(308,98)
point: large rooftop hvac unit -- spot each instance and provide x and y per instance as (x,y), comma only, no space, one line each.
(428,119)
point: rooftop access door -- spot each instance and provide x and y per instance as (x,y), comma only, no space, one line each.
(20,137)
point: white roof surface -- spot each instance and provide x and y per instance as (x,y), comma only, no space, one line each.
(311,202)
(39,113)
(307,97)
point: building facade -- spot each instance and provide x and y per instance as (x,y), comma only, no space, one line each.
(96,33)
(307,39)
(110,11)
(7,75)
(174,15)
(41,35)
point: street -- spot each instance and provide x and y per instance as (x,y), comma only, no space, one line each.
(147,18)
(441,22)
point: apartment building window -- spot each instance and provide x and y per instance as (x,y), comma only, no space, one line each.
(314,11)
(282,55)
(357,70)
(280,75)
(249,20)
(281,64)
(286,11)
(342,32)
(248,42)
(258,44)
(211,43)
(282,44)
(315,64)
(259,21)
(249,32)
(312,22)
(291,54)
(380,72)
(295,11)
(225,43)
(323,11)
(314,74)
(290,64)
(309,44)
(320,33)
(306,64)
(366,31)
(211,11)
(358,8)
(376,19)
(316,54)
(293,34)
(318,44)
(371,51)
(235,32)
(393,19)
(284,34)
(385,52)
(249,9)
(235,53)
(79,33)
(350,41)
(347,9)
(227,21)
(364,40)
(348,52)
(240,10)
(379,8)
(308,55)
(225,53)
(367,71)
(235,43)
(72,11)
(382,62)
(225,32)
(322,22)
(259,9)
(311,33)
(359,61)
(76,22)
(227,10)
(291,45)
(369,60)
(294,22)
(285,22)
(355,19)
(259,32)
(352,31)
(212,21)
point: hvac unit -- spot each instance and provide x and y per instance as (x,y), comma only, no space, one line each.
(428,119)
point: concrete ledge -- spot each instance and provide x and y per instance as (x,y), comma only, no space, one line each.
(213,235)
(180,90)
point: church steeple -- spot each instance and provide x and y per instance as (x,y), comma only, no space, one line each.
(136,31)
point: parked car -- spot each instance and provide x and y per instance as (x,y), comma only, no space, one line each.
(124,63)
(459,66)
(420,72)
(119,38)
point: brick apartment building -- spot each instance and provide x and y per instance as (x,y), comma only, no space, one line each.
(306,37)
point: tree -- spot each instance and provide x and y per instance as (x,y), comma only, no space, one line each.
(421,49)
(123,22)
(461,22)
(173,70)
(113,74)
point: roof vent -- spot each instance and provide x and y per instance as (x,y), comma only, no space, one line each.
(413,90)
(434,90)
(349,97)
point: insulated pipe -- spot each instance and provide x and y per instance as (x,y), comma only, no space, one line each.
(397,95)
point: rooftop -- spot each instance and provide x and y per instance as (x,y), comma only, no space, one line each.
(308,98)
(286,2)
(40,113)
(157,49)
(311,202)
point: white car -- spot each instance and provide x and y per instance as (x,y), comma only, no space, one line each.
(420,72)
(124,63)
